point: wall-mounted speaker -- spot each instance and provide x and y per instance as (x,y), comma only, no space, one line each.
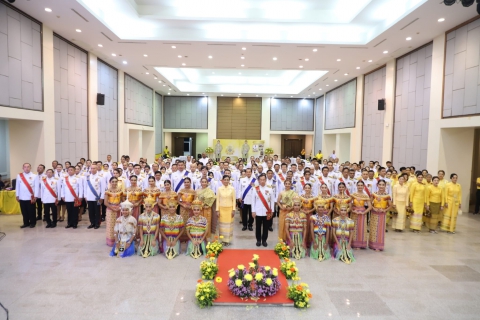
(381,104)
(100,99)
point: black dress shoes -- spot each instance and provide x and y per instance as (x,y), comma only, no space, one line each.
(258,244)
(24,226)
(264,244)
(74,227)
(53,225)
(90,226)
(96,227)
(270,229)
(250,228)
(103,219)
(68,226)
(49,225)
(32,226)
(244,228)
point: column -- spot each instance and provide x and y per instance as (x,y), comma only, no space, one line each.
(387,153)
(92,107)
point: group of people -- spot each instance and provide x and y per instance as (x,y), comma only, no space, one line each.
(323,207)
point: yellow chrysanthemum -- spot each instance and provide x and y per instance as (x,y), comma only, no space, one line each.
(231,274)
(241,267)
(238,283)
(255,257)
(275,272)
(268,282)
(259,276)
(218,280)
(267,268)
(251,265)
(248,277)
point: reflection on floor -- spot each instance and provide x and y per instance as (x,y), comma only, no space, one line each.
(67,274)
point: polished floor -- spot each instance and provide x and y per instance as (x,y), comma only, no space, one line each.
(67,274)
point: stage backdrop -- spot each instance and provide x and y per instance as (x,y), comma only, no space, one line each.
(236,149)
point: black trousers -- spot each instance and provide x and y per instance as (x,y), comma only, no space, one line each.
(247,215)
(261,228)
(39,208)
(477,201)
(28,212)
(104,210)
(48,207)
(72,212)
(94,213)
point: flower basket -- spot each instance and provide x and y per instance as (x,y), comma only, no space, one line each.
(214,248)
(289,269)
(268,151)
(206,293)
(300,294)
(209,269)
(282,249)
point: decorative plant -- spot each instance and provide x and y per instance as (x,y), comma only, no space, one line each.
(209,150)
(282,249)
(209,269)
(214,248)
(268,151)
(289,269)
(300,294)
(206,293)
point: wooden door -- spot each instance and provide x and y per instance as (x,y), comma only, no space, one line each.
(292,147)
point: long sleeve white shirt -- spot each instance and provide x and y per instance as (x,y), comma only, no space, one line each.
(98,184)
(45,194)
(21,190)
(242,187)
(76,183)
(258,207)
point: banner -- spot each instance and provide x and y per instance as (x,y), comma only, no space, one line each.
(236,149)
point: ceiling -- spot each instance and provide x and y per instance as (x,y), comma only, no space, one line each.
(306,47)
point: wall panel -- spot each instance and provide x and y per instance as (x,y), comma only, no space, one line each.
(291,114)
(70,76)
(340,106)
(20,61)
(138,102)
(108,113)
(158,124)
(461,96)
(239,118)
(319,107)
(373,119)
(412,108)
(185,113)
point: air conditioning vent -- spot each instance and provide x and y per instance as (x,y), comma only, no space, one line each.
(409,24)
(266,45)
(78,14)
(380,43)
(354,47)
(222,44)
(131,42)
(106,36)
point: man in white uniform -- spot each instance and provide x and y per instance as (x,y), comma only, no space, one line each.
(94,191)
(262,206)
(246,189)
(72,190)
(25,191)
(49,193)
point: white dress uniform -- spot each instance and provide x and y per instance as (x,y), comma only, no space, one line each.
(204,161)
(258,207)
(97,182)
(177,176)
(349,184)
(313,181)
(388,188)
(76,182)
(48,199)
(25,197)
(328,181)
(248,200)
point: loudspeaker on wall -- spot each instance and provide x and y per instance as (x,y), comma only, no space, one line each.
(381,104)
(100,99)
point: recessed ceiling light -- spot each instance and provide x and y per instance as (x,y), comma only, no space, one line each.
(124,62)
(441,19)
(239,73)
(314,50)
(257,95)
(113,54)
(243,65)
(314,93)
(210,57)
(239,94)
(244,48)
(188,94)
(164,85)
(307,59)
(179,56)
(384,52)
(173,47)
(408,38)
(48,9)
(242,57)
(370,60)
(327,85)
(222,95)
(203,92)
(346,74)
(291,96)
(358,68)
(319,89)
(169,93)
(160,81)
(213,72)
(155,78)
(145,55)
(100,45)
(339,59)
(274,58)
(183,64)
(266,74)
(169,89)
(309,95)
(78,30)
(147,73)
(300,67)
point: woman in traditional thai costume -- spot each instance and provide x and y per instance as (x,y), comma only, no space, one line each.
(341,198)
(361,205)
(171,229)
(417,199)
(134,194)
(196,229)
(401,196)
(342,226)
(382,202)
(186,195)
(320,225)
(164,196)
(113,197)
(453,203)
(153,192)
(307,207)
(225,209)
(435,199)
(148,229)
(207,197)
(296,228)
(124,232)
(285,204)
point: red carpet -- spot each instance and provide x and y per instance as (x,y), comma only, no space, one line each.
(231,258)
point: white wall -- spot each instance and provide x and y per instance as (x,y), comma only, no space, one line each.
(275,144)
(201,143)
(4,149)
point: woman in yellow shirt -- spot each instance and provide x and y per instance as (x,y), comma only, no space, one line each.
(453,203)
(417,199)
(226,202)
(400,203)
(435,199)
(382,202)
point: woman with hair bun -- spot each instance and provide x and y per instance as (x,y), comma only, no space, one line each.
(453,203)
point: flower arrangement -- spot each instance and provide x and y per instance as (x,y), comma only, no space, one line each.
(300,294)
(289,269)
(268,151)
(206,293)
(214,248)
(282,250)
(254,282)
(209,269)
(209,150)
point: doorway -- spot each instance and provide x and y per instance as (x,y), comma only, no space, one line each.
(183,144)
(475,170)
(292,145)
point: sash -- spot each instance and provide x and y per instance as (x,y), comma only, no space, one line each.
(29,187)
(76,202)
(366,190)
(323,182)
(302,181)
(181,181)
(92,189)
(247,190)
(346,189)
(47,186)
(265,204)
(281,177)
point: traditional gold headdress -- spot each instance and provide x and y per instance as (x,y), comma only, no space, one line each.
(297,200)
(172,202)
(149,200)
(343,206)
(126,205)
(321,203)
(197,204)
